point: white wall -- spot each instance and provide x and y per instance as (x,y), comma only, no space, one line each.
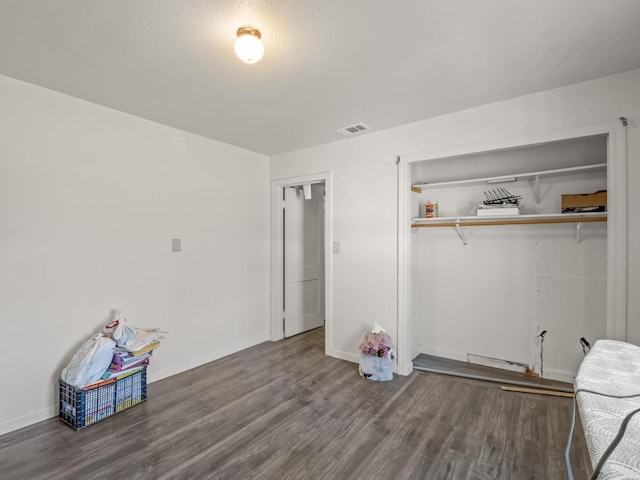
(365,219)
(90,199)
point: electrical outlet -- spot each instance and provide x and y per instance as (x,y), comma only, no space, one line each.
(336,247)
(175,245)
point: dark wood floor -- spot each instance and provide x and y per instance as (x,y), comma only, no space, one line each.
(285,411)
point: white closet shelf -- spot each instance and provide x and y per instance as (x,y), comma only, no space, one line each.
(511,178)
(471,221)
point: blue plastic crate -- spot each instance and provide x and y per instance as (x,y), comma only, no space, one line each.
(81,407)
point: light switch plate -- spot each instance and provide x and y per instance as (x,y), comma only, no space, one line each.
(175,245)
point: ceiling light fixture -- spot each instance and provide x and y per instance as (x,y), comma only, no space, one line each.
(248,46)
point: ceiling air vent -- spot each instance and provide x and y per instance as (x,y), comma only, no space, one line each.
(352,129)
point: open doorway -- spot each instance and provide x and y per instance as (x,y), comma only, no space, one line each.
(300,257)
(303,258)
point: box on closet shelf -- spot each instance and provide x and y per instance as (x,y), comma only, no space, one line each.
(585,202)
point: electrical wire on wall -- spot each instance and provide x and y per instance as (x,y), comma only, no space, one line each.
(541,340)
(586,346)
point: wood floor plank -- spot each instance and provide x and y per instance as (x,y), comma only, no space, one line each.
(466,368)
(284,410)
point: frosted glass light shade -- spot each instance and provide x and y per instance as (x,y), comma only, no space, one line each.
(248,46)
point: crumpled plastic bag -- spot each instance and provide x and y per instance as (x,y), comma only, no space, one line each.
(376,355)
(120,331)
(145,337)
(376,368)
(90,361)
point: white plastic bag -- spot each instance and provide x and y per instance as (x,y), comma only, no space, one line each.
(376,355)
(376,368)
(120,330)
(90,361)
(145,337)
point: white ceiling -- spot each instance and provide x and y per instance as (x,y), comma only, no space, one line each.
(327,63)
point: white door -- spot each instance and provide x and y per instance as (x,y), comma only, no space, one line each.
(303,259)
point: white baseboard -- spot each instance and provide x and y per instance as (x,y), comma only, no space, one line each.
(354,358)
(28,419)
(211,357)
(52,411)
(349,357)
(498,363)
(408,368)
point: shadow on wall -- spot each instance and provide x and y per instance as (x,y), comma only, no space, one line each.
(72,350)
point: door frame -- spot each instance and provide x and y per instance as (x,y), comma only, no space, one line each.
(277,245)
(303,273)
(615,130)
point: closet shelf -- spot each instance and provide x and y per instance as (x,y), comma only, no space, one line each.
(472,221)
(511,178)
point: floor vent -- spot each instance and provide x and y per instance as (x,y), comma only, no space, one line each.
(352,129)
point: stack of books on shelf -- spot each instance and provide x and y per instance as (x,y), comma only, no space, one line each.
(498,210)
